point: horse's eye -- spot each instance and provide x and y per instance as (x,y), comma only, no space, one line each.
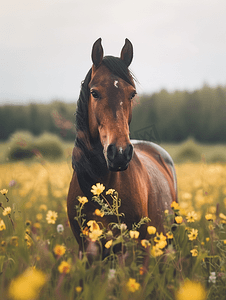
(94,94)
(133,95)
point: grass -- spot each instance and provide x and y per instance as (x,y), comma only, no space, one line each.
(193,151)
(42,246)
(188,150)
(39,255)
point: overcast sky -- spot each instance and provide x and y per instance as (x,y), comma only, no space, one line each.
(45,45)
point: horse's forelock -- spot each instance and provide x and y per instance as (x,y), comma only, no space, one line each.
(118,68)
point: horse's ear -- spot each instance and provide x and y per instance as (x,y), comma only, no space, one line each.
(97,53)
(127,52)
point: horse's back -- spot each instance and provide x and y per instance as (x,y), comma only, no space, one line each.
(158,153)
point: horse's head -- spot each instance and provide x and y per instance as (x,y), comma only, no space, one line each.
(110,104)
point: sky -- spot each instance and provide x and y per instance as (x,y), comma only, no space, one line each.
(45,45)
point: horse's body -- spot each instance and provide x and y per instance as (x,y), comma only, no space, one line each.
(141,172)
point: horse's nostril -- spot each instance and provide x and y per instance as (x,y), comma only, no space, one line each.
(128,153)
(111,152)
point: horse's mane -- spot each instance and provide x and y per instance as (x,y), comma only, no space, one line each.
(91,165)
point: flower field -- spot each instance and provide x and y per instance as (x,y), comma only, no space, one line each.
(39,255)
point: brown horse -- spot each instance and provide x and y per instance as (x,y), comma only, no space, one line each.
(141,172)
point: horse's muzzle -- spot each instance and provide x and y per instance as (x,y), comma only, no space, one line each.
(118,158)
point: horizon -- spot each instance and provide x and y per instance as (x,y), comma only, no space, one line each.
(74,101)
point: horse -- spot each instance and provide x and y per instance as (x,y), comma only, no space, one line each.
(142,172)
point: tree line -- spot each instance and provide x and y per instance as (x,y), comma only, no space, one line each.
(174,117)
(160,117)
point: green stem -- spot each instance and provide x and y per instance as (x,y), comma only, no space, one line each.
(107,202)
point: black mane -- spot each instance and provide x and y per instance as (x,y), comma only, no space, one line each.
(91,165)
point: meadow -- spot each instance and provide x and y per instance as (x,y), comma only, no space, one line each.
(39,255)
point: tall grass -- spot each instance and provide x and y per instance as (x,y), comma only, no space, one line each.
(39,255)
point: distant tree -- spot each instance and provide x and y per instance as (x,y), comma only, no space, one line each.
(173,117)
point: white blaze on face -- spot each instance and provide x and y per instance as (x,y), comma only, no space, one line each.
(120,150)
(116,83)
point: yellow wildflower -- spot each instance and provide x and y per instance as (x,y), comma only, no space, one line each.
(108,244)
(82,200)
(28,240)
(3,243)
(39,217)
(178,219)
(191,290)
(134,234)
(186,196)
(78,289)
(98,213)
(161,244)
(209,217)
(37,225)
(28,231)
(141,270)
(109,233)
(211,227)
(93,225)
(95,234)
(64,267)
(159,237)
(175,205)
(222,216)
(145,243)
(224,242)
(166,212)
(95,231)
(27,286)
(59,250)
(193,234)
(85,231)
(110,192)
(51,217)
(151,229)
(4,191)
(169,235)
(194,252)
(97,189)
(28,223)
(2,225)
(132,285)
(43,207)
(6,211)
(191,217)
(207,239)
(155,251)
